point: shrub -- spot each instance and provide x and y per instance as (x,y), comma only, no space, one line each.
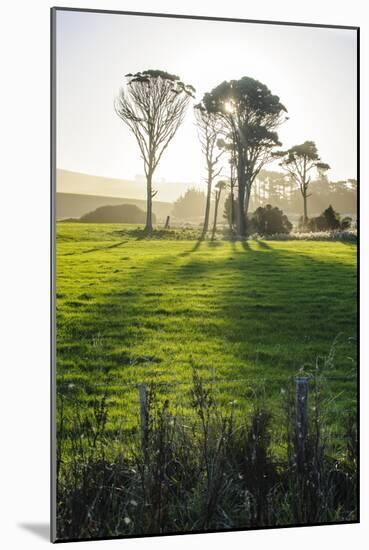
(268,220)
(328,220)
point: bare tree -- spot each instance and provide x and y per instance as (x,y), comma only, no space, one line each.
(153,106)
(210,128)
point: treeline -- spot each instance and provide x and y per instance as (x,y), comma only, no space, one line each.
(278,189)
(275,188)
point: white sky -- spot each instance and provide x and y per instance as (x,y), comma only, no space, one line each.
(313,70)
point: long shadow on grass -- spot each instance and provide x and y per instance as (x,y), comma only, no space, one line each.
(97,249)
(241,309)
(279,308)
(195,248)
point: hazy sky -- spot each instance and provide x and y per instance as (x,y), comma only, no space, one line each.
(313,71)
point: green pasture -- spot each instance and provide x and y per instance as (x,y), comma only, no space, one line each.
(247,315)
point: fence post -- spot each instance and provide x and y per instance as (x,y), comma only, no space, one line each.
(143,413)
(301,419)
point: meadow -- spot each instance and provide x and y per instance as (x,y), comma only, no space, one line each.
(246,315)
(217,331)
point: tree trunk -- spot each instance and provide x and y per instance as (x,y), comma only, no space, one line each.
(148,228)
(231,220)
(304,195)
(241,178)
(232,213)
(217,197)
(247,200)
(241,205)
(207,207)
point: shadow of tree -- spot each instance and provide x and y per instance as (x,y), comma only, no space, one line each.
(250,310)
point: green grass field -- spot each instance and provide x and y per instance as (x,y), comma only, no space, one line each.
(246,314)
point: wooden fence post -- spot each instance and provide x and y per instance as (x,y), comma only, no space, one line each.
(143,413)
(301,419)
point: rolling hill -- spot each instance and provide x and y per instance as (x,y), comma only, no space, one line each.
(77,194)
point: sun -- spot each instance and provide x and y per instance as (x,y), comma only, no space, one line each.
(229,106)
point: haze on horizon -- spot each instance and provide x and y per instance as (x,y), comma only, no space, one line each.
(313,70)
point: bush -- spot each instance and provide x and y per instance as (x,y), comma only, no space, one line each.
(329,220)
(121,213)
(268,220)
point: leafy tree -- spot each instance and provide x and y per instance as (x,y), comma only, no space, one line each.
(153,105)
(190,205)
(301,161)
(209,130)
(220,186)
(251,114)
(269,220)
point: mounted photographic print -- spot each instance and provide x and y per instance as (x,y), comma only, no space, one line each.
(204,274)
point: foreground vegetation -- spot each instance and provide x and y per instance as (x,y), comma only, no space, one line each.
(245,316)
(213,471)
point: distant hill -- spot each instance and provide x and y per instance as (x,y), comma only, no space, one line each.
(87,184)
(71,205)
(120,213)
(78,183)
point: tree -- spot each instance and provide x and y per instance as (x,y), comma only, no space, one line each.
(269,220)
(228,146)
(252,115)
(209,130)
(220,186)
(190,205)
(301,161)
(153,105)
